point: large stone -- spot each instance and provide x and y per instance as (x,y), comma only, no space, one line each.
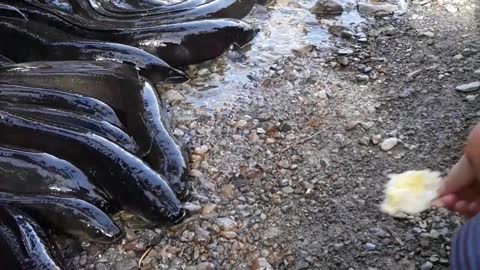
(371,9)
(388,144)
(469,87)
(326,8)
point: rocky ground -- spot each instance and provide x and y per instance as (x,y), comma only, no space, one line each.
(291,175)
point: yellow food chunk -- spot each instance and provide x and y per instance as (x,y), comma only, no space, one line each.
(410,192)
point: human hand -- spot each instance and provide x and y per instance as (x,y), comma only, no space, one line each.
(460,190)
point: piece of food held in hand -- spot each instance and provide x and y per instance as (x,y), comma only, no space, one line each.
(410,192)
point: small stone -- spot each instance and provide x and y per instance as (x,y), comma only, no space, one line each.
(326,7)
(226,224)
(228,190)
(192,207)
(428,34)
(364,140)
(205,266)
(202,235)
(100,266)
(242,123)
(196,173)
(203,72)
(376,8)
(173,97)
(208,209)
(469,87)
(370,246)
(127,264)
(201,150)
(287,190)
(434,234)
(351,125)
(345,51)
(260,131)
(388,144)
(471,98)
(362,78)
(458,57)
(178,132)
(230,235)
(414,73)
(261,264)
(451,8)
(477,71)
(343,60)
(284,164)
(426,266)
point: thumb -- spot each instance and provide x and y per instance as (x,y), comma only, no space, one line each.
(472,150)
(461,175)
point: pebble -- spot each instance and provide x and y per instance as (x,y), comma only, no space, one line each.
(226,224)
(376,139)
(287,190)
(100,266)
(388,144)
(342,60)
(173,97)
(451,8)
(345,51)
(362,78)
(241,123)
(192,207)
(261,264)
(414,73)
(471,98)
(468,87)
(203,71)
(202,235)
(205,266)
(209,208)
(458,57)
(428,34)
(477,71)
(178,132)
(284,164)
(426,266)
(326,7)
(127,264)
(201,150)
(376,8)
(370,246)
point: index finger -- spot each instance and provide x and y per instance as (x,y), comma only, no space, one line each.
(461,175)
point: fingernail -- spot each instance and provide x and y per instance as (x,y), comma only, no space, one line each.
(437,203)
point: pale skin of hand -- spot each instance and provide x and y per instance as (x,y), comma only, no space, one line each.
(460,191)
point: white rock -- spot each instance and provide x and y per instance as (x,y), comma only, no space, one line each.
(201,150)
(471,98)
(376,139)
(468,87)
(388,144)
(226,224)
(372,8)
(173,96)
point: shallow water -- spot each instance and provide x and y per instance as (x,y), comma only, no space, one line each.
(284,26)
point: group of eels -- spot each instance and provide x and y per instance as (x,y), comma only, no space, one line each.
(83,132)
